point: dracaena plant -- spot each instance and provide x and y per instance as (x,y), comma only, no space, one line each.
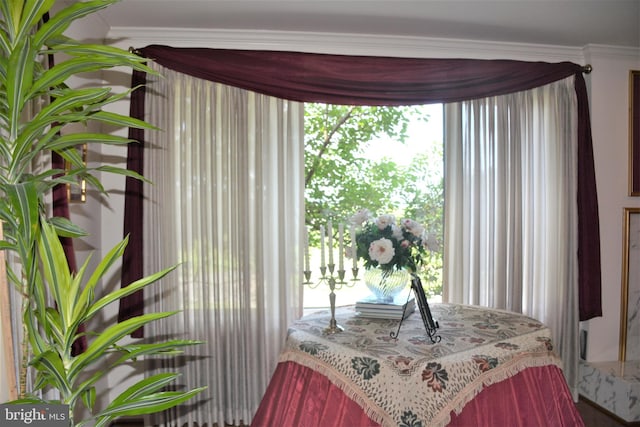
(52,332)
(37,110)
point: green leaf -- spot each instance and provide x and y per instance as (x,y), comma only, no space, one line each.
(77,309)
(52,113)
(37,291)
(18,84)
(85,387)
(24,199)
(58,23)
(148,405)
(104,51)
(121,171)
(60,72)
(128,290)
(65,228)
(18,164)
(103,266)
(108,338)
(133,351)
(54,327)
(31,15)
(4,245)
(13,278)
(71,140)
(43,380)
(82,303)
(38,345)
(50,363)
(74,158)
(5,48)
(56,272)
(12,11)
(94,182)
(120,120)
(89,398)
(144,387)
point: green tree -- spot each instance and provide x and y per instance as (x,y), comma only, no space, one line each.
(341,178)
(425,203)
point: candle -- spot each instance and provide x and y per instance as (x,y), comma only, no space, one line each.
(321,246)
(341,246)
(306,250)
(354,246)
(330,241)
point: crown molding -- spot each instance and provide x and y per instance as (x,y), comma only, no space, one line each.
(612,52)
(343,44)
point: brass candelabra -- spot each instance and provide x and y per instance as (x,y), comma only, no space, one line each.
(335,282)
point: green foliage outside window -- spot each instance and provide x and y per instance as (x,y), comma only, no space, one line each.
(341,177)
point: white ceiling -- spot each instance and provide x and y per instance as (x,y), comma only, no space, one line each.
(552,22)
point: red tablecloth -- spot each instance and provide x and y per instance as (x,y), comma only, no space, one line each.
(488,370)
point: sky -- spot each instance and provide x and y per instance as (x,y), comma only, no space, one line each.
(419,134)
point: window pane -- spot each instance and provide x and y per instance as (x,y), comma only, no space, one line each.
(388,160)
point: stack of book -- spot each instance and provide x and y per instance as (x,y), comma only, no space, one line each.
(401,304)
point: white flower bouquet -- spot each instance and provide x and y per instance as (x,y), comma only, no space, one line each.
(382,243)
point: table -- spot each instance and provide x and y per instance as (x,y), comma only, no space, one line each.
(492,367)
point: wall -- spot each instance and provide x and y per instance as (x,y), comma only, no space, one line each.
(609,105)
(4,391)
(609,100)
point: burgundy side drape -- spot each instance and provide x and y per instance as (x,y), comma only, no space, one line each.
(589,266)
(133,305)
(367,80)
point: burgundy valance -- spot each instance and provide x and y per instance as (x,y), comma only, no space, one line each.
(371,80)
(359,80)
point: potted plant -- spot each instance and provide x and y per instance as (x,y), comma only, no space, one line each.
(50,329)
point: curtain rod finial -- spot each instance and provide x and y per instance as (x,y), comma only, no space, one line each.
(587,69)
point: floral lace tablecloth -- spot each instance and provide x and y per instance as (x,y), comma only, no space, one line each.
(410,380)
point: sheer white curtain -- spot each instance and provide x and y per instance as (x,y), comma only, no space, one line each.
(226,202)
(510,209)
